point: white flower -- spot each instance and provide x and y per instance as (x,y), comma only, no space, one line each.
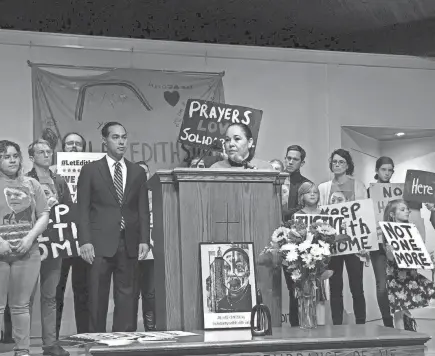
(280,234)
(288,247)
(326,229)
(401,295)
(417,298)
(296,275)
(291,256)
(307,258)
(317,251)
(304,245)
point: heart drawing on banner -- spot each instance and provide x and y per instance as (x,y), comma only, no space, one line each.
(172,97)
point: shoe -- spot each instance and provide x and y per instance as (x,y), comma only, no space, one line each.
(409,323)
(150,321)
(22,352)
(55,350)
(388,322)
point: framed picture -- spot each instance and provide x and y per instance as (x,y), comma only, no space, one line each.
(228,284)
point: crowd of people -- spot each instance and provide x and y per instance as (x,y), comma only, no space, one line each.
(114,223)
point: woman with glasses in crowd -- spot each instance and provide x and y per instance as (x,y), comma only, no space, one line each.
(24,216)
(344,185)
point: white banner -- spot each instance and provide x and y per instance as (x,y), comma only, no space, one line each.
(360,226)
(408,247)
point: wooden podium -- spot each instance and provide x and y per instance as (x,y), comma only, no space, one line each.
(209,205)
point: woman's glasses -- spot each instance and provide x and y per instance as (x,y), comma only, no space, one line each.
(340,163)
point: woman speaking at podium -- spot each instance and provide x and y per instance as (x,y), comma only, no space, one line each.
(239,147)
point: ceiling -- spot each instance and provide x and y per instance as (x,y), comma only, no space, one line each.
(389,134)
(378,26)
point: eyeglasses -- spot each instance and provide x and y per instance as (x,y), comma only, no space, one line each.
(74,143)
(341,163)
(47,152)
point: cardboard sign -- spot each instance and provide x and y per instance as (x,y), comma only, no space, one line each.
(382,193)
(60,238)
(332,220)
(205,122)
(69,165)
(360,222)
(419,186)
(408,246)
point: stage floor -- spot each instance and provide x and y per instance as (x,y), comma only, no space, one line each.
(349,340)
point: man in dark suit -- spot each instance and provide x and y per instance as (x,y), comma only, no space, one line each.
(113,229)
(294,160)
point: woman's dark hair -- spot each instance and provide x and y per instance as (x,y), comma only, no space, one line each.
(248,133)
(348,158)
(381,161)
(73,133)
(4,144)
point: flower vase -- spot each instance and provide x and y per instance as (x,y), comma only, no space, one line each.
(308,305)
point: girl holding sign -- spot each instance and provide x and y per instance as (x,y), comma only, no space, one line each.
(308,200)
(407,289)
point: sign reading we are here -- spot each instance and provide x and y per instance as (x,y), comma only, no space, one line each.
(419,186)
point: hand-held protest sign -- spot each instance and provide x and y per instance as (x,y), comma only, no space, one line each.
(205,122)
(408,247)
(382,194)
(359,220)
(336,221)
(60,237)
(69,165)
(419,186)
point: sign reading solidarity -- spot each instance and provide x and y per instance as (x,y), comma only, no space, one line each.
(408,247)
(205,122)
(360,226)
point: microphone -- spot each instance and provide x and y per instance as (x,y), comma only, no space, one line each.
(216,144)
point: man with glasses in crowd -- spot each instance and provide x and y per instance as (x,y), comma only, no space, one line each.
(294,160)
(41,154)
(74,142)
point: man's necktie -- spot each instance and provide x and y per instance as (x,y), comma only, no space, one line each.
(118,186)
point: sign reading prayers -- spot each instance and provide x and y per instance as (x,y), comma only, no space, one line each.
(205,122)
(335,221)
(69,165)
(359,226)
(408,246)
(60,238)
(419,186)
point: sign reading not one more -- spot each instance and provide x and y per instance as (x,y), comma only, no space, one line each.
(419,186)
(408,247)
(205,122)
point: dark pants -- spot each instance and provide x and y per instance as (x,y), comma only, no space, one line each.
(294,305)
(7,325)
(79,281)
(123,269)
(379,262)
(355,269)
(144,290)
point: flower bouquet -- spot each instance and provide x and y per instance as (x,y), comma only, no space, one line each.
(304,252)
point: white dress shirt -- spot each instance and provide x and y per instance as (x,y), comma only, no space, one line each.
(111,162)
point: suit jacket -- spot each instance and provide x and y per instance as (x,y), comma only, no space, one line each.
(99,211)
(296,180)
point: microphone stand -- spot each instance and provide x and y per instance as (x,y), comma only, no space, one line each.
(214,145)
